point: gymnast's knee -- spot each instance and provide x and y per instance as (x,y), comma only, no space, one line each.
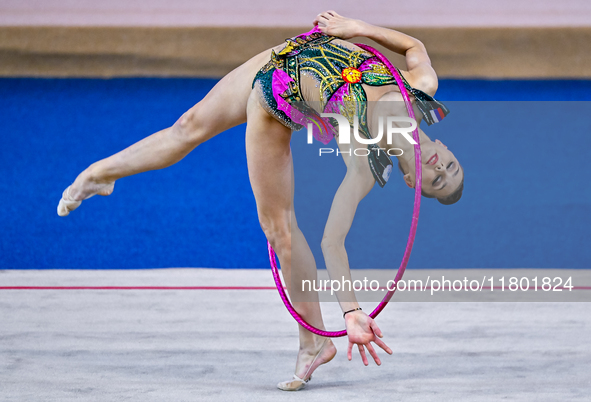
(193,127)
(278,235)
(330,244)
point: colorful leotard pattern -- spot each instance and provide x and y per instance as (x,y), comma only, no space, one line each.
(339,72)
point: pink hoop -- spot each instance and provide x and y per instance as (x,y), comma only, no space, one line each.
(413,226)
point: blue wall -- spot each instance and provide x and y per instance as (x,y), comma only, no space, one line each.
(526,203)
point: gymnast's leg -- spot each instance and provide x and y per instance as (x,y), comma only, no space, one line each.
(270,170)
(222,108)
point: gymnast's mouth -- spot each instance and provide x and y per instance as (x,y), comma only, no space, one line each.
(433,160)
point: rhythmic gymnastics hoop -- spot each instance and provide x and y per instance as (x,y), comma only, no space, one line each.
(413,225)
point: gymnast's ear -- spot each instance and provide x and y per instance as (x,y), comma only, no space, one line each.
(408,179)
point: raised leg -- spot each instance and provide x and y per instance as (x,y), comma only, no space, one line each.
(223,107)
(271,176)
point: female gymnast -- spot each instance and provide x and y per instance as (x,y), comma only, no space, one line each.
(265,92)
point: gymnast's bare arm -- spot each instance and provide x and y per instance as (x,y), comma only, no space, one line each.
(421,74)
(358,182)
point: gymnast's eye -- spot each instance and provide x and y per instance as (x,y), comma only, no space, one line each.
(437,180)
(451,164)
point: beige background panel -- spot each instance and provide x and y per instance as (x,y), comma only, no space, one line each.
(427,13)
(212,52)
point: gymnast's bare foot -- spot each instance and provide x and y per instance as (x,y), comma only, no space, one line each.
(308,361)
(85,186)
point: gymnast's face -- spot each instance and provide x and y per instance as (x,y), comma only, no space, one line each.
(442,173)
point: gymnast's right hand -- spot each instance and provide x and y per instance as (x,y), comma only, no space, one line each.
(362,330)
(84,187)
(333,24)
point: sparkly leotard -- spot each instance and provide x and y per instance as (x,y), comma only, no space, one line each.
(338,73)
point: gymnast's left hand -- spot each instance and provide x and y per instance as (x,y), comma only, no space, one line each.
(362,330)
(333,24)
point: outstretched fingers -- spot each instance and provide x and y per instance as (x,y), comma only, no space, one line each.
(378,332)
(361,347)
(373,354)
(383,345)
(362,353)
(350,351)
